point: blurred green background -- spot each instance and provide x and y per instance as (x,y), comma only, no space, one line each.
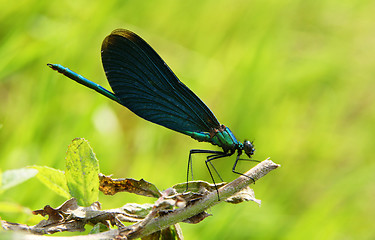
(297,77)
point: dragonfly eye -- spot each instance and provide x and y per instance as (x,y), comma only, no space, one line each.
(248,147)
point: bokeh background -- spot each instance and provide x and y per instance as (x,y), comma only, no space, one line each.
(297,77)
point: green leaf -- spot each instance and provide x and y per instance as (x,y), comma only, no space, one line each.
(82,169)
(98,228)
(54,179)
(11,178)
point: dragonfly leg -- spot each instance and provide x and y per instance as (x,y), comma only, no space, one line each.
(235,165)
(209,159)
(190,162)
(217,173)
(190,167)
(249,159)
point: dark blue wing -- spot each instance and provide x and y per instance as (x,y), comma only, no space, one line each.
(146,85)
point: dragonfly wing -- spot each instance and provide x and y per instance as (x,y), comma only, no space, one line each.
(146,85)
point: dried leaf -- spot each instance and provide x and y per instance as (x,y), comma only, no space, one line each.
(172,232)
(198,187)
(62,218)
(57,214)
(197,218)
(246,194)
(182,199)
(138,210)
(111,186)
(69,217)
(59,219)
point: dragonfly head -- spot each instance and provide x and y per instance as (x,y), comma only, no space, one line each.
(248,147)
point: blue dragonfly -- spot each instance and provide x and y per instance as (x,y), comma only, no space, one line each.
(143,82)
